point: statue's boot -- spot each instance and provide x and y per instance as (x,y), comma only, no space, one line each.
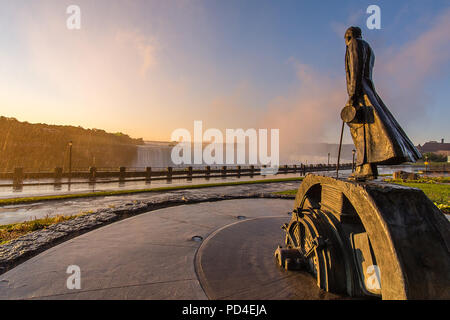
(367,171)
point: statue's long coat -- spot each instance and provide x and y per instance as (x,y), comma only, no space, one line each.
(378,137)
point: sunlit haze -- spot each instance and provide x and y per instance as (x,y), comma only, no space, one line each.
(146,68)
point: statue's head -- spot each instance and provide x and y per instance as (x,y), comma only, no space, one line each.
(352,33)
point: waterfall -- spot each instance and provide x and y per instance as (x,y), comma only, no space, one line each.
(153,155)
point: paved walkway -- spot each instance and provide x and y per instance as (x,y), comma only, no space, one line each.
(150,256)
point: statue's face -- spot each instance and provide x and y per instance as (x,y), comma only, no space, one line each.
(348,38)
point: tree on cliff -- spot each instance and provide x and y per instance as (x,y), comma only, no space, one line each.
(43,146)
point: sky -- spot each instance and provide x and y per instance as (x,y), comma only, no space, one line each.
(148,67)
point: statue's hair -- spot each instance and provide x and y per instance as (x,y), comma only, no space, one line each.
(355,31)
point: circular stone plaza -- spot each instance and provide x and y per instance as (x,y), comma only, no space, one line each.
(205,250)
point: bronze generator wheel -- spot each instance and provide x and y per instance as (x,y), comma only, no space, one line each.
(368,239)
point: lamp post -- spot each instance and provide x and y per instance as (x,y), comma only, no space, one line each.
(353,161)
(70,159)
(426,165)
(328,165)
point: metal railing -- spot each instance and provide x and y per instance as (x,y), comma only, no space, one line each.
(92,174)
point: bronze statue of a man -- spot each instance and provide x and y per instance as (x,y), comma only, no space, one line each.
(378,137)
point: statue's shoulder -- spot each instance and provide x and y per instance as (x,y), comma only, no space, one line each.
(364,44)
(361,42)
(358,43)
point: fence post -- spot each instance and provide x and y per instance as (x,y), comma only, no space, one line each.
(18,176)
(252,170)
(224,171)
(92,173)
(169,173)
(238,171)
(148,173)
(122,171)
(208,171)
(190,173)
(58,173)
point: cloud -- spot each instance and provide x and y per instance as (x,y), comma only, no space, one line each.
(310,111)
(88,61)
(403,73)
(144,46)
(354,18)
(82,74)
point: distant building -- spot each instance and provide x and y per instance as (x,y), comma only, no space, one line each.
(435,147)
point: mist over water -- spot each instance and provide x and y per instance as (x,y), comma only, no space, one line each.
(158,154)
(153,154)
(316,153)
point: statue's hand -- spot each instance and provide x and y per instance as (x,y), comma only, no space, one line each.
(348,114)
(352,102)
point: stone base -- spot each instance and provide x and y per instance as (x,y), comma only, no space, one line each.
(403,175)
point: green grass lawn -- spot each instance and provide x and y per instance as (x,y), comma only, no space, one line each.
(438,192)
(13,231)
(436,188)
(422,179)
(430,163)
(288,192)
